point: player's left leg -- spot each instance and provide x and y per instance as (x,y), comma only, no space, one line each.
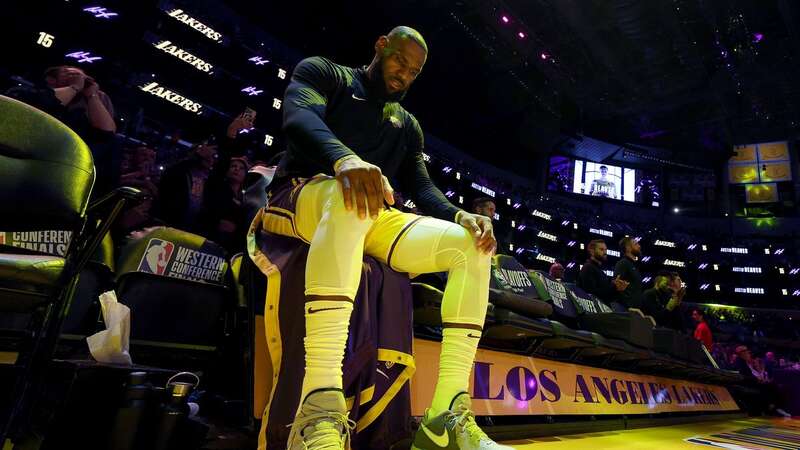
(426,245)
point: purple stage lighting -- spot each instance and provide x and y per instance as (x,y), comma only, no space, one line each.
(521,35)
(505,19)
(757,37)
(544,55)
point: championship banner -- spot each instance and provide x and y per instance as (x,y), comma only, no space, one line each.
(743,173)
(507,384)
(777,171)
(744,153)
(773,151)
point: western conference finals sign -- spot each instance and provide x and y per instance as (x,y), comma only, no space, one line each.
(508,384)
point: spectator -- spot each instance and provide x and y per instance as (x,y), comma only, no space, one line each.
(182,187)
(593,280)
(754,378)
(770,363)
(663,300)
(702,332)
(75,98)
(626,270)
(557,271)
(223,208)
(140,171)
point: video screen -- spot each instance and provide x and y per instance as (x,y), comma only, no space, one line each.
(603,180)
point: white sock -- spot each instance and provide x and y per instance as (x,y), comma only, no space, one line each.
(455,366)
(327,322)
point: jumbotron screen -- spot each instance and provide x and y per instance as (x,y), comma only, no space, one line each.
(603,180)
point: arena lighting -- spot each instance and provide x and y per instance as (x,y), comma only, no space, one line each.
(154,88)
(779,251)
(171,49)
(259,61)
(702,266)
(100,13)
(181,16)
(83,57)
(519,251)
(613,253)
(796,293)
(758,37)
(661,243)
(547,236)
(749,290)
(521,227)
(674,263)
(505,19)
(739,250)
(545,216)
(794,271)
(601,231)
(704,286)
(543,55)
(563,222)
(637,238)
(746,269)
(646,258)
(45,39)
(571,243)
(516,205)
(691,247)
(676,210)
(543,257)
(447,169)
(276,103)
(252,90)
(645,279)
(521,35)
(571,265)
(449,194)
(717,288)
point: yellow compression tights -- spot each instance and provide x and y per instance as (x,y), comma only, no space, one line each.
(407,243)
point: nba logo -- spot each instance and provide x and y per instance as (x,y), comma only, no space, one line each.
(156,257)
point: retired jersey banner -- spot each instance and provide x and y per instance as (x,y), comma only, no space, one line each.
(507,384)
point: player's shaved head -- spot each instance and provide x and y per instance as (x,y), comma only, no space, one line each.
(403,33)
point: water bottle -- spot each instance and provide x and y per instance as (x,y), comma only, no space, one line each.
(129,415)
(172,414)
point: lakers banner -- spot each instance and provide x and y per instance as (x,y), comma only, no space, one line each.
(507,384)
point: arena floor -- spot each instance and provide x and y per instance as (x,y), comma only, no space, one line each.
(741,434)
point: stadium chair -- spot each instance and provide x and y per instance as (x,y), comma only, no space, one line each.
(46,178)
(176,285)
(515,322)
(97,277)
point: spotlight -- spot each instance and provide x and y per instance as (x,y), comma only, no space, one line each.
(521,35)
(543,55)
(505,19)
(676,210)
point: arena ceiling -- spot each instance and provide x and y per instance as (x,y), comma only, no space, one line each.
(693,77)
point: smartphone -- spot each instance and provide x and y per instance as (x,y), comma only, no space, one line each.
(249,113)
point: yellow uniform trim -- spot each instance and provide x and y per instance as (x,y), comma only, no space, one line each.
(377,409)
(271,325)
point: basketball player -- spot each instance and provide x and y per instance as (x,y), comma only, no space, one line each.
(348,137)
(603,187)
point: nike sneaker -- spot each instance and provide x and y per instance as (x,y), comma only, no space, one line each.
(321,423)
(454,429)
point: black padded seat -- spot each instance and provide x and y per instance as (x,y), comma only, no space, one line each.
(27,280)
(595,315)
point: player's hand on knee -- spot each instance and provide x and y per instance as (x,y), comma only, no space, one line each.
(481,228)
(364,185)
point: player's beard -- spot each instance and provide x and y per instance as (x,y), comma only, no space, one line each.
(380,84)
